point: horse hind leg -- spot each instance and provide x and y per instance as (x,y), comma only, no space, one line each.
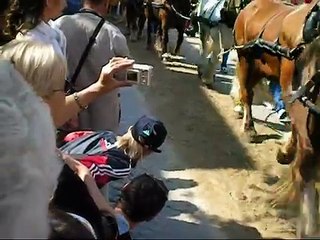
(149,33)
(164,40)
(179,41)
(134,32)
(308,219)
(141,22)
(286,154)
(247,80)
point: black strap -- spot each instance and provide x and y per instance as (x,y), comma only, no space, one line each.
(87,49)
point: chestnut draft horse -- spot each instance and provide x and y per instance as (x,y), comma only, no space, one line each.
(163,15)
(270,37)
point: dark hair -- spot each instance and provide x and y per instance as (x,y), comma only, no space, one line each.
(64,226)
(94,1)
(23,15)
(143,198)
(71,195)
(4,4)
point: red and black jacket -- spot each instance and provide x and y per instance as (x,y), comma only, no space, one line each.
(105,161)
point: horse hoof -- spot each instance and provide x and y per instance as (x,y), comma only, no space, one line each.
(209,85)
(199,72)
(283,158)
(149,47)
(250,135)
(238,111)
(238,115)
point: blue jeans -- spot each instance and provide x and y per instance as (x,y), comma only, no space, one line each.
(225,58)
(275,90)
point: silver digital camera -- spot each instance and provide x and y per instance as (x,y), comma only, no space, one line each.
(140,74)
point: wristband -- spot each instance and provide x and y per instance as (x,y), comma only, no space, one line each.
(76,98)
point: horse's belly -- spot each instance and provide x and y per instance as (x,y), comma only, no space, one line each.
(268,66)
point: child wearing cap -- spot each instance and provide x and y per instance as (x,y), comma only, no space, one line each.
(110,157)
(78,210)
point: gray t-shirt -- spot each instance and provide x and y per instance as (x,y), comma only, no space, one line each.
(103,113)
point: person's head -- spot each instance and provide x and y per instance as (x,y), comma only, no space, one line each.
(65,226)
(24,15)
(4,4)
(142,198)
(143,138)
(39,64)
(101,6)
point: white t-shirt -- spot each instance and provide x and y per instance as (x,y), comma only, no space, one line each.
(47,33)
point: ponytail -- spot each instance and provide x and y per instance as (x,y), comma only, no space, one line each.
(23,15)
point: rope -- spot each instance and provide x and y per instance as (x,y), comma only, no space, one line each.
(179,14)
(230,49)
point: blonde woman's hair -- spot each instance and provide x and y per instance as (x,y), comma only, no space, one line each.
(38,63)
(130,146)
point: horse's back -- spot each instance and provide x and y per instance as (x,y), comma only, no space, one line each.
(272,20)
(292,25)
(255,18)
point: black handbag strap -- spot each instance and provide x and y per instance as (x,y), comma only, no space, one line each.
(88,47)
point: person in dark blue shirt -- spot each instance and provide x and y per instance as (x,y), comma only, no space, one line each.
(73,7)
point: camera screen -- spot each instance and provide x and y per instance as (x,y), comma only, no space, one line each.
(132,76)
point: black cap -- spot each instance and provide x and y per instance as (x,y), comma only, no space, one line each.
(149,132)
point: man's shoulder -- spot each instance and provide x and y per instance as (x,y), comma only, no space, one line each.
(65,21)
(113,29)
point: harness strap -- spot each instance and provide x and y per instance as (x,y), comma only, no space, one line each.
(269,20)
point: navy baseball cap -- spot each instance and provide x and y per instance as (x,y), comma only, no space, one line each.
(149,132)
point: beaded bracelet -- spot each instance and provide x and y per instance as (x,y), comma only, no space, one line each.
(76,98)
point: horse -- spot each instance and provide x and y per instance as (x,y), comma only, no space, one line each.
(256,40)
(134,13)
(164,15)
(280,42)
(216,19)
(303,149)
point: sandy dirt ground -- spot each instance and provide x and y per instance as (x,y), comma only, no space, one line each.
(220,186)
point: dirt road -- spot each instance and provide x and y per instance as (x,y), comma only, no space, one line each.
(218,184)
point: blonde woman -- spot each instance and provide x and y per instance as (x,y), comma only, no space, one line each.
(31,19)
(46,70)
(109,157)
(27,144)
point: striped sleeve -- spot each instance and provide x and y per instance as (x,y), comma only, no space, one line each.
(104,169)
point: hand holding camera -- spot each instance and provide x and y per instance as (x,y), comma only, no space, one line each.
(140,74)
(106,81)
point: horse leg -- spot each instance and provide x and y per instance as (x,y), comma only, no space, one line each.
(128,31)
(286,154)
(247,80)
(235,95)
(141,22)
(307,221)
(304,174)
(149,31)
(164,39)
(179,41)
(134,32)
